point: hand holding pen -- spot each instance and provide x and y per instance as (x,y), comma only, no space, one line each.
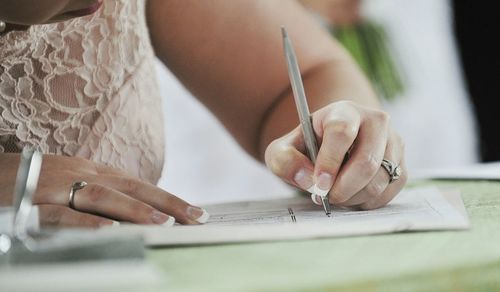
(375,171)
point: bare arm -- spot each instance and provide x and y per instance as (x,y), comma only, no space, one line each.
(229,54)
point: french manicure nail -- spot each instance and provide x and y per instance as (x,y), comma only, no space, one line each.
(198,214)
(170,222)
(109,223)
(304,179)
(316,199)
(324,183)
(159,217)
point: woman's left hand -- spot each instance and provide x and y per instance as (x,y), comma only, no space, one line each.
(343,129)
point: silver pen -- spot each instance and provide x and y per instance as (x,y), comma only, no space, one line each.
(302,107)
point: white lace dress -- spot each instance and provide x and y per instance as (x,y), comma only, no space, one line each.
(86,88)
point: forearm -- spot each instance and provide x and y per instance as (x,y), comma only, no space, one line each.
(229,55)
(333,81)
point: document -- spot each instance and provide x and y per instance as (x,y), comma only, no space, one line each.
(423,205)
(298,218)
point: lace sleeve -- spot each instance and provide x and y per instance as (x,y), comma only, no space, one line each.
(84,87)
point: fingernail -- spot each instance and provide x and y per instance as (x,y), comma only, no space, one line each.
(159,217)
(109,223)
(316,199)
(198,214)
(324,183)
(170,222)
(303,178)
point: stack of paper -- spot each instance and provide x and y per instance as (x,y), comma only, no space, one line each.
(297,218)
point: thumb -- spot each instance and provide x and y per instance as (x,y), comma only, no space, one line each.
(286,160)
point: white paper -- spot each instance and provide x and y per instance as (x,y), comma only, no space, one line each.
(418,205)
(411,210)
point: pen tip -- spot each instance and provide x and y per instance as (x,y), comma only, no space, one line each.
(284,32)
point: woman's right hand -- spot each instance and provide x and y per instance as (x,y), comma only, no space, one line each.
(110,195)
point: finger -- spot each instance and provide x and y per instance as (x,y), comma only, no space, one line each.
(365,158)
(390,192)
(60,216)
(151,195)
(285,159)
(52,163)
(108,202)
(393,152)
(56,191)
(373,190)
(105,169)
(339,130)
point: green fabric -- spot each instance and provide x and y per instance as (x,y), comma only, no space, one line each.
(452,260)
(368,44)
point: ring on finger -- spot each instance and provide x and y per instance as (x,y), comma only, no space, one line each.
(75,187)
(392,169)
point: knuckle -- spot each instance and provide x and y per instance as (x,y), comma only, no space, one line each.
(368,165)
(340,129)
(96,192)
(381,116)
(131,185)
(373,189)
(141,212)
(280,159)
(53,215)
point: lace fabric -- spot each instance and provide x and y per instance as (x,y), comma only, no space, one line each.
(85,87)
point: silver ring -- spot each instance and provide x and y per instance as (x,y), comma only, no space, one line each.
(75,187)
(392,169)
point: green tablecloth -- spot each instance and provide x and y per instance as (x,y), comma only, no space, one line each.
(454,260)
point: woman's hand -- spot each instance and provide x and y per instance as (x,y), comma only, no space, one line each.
(343,129)
(109,195)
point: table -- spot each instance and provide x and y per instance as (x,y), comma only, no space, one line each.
(451,260)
